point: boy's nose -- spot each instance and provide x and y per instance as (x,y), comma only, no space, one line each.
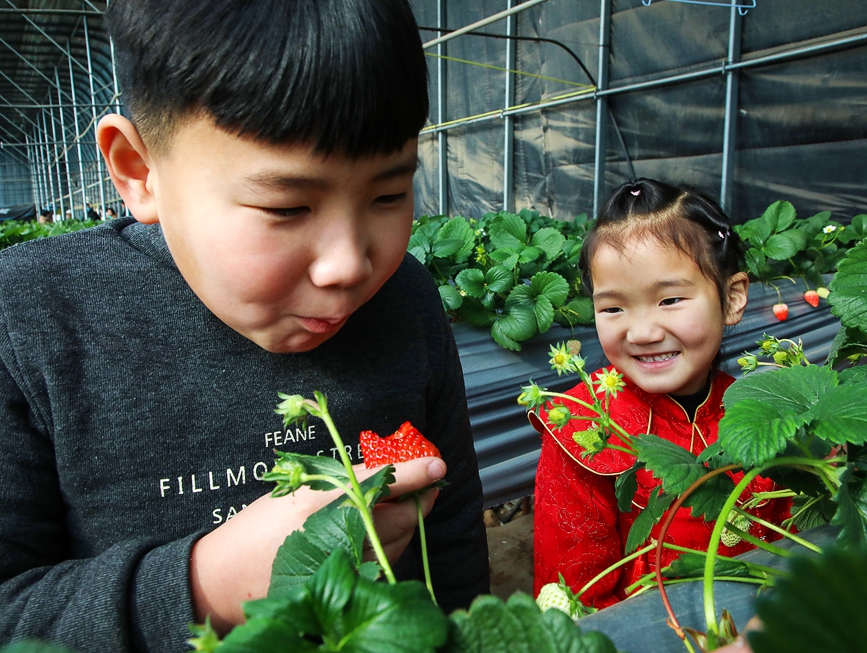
(342,258)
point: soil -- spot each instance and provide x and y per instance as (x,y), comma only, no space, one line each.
(510,547)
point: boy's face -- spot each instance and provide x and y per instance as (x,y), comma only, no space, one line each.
(281,244)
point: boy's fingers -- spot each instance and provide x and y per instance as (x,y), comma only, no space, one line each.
(412,475)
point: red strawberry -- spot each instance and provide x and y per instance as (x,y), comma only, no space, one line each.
(781,311)
(812,298)
(404,444)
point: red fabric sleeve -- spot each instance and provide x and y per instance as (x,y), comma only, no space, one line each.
(575,526)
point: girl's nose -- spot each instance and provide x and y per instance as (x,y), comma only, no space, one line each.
(341,257)
(644,332)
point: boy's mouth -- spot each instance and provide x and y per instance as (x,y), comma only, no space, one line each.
(322,325)
(657,358)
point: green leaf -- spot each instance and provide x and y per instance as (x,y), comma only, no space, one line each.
(579,310)
(475,314)
(529,254)
(708,499)
(780,216)
(625,487)
(498,279)
(840,416)
(753,433)
(32,646)
(286,462)
(691,565)
(544,312)
(815,514)
(508,230)
(854,374)
(674,465)
(848,296)
(472,282)
(781,247)
(447,248)
(792,389)
(336,526)
(819,606)
(851,515)
(507,257)
(515,326)
(550,285)
(264,636)
(420,254)
(647,518)
(458,229)
(451,297)
(550,241)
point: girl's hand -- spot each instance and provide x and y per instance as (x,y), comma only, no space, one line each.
(232,563)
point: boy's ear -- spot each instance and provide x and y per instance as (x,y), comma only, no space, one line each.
(736,294)
(129,165)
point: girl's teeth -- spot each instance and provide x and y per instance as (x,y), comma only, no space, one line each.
(655,359)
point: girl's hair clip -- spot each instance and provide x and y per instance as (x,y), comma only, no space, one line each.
(636,192)
(723,234)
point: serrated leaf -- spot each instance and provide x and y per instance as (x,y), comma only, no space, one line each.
(447,248)
(517,325)
(312,465)
(851,500)
(809,513)
(781,247)
(579,310)
(498,279)
(669,462)
(507,257)
(819,606)
(264,636)
(854,374)
(550,241)
(451,297)
(625,486)
(793,389)
(508,230)
(420,254)
(780,215)
(472,282)
(529,254)
(753,433)
(551,286)
(691,565)
(544,312)
(708,499)
(458,229)
(848,296)
(647,519)
(475,314)
(840,416)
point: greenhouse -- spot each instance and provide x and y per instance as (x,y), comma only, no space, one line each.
(544,119)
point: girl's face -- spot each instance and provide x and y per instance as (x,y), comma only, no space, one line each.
(658,317)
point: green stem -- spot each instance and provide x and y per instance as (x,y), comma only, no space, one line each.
(366,515)
(798,540)
(611,568)
(423,538)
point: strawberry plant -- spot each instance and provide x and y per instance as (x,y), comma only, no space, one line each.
(13,232)
(800,424)
(514,274)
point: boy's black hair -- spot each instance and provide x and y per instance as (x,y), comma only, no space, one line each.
(681,216)
(344,75)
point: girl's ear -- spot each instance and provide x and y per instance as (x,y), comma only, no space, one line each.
(129,165)
(736,297)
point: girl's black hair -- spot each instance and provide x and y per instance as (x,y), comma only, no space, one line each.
(682,216)
(344,75)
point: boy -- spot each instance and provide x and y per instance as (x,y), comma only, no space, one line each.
(269,167)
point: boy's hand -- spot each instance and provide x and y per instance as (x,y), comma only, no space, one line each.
(232,563)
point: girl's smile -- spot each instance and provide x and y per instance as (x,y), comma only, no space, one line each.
(660,320)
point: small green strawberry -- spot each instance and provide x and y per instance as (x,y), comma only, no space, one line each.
(823,292)
(553,597)
(730,538)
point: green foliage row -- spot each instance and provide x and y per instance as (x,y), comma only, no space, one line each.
(515,274)
(13,232)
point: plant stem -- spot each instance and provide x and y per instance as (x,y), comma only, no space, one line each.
(611,568)
(798,540)
(423,538)
(358,499)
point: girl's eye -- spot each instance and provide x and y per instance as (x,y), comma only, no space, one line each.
(390,199)
(671,301)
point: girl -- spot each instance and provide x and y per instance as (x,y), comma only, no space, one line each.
(663,265)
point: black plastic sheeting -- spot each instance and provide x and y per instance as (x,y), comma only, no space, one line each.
(506,445)
(801,128)
(19,212)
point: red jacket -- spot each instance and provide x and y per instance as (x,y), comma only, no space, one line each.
(578,530)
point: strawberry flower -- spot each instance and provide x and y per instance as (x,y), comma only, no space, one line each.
(609,382)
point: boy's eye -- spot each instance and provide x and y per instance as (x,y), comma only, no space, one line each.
(292,212)
(671,301)
(611,310)
(390,199)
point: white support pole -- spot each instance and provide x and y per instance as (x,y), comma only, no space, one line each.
(731,108)
(602,105)
(65,151)
(442,138)
(81,179)
(99,173)
(509,121)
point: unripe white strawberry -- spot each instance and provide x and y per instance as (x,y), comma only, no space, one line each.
(553,596)
(730,538)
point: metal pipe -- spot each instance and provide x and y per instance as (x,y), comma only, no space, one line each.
(33,184)
(43,32)
(43,164)
(47,164)
(65,153)
(81,180)
(113,71)
(75,12)
(601,106)
(508,122)
(731,108)
(663,81)
(93,109)
(24,59)
(442,141)
(481,23)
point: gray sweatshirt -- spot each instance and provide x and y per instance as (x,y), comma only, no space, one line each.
(134,421)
